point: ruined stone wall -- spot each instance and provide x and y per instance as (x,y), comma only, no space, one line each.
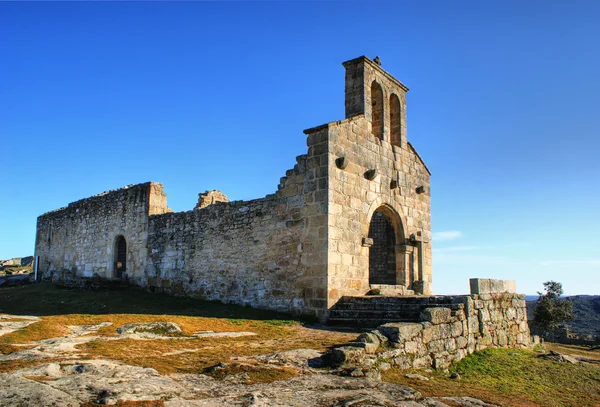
(448,333)
(267,253)
(353,198)
(80,237)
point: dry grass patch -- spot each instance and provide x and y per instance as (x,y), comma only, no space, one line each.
(573,350)
(195,355)
(60,308)
(12,365)
(44,329)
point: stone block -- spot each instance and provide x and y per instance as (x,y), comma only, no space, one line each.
(411,347)
(441,362)
(436,315)
(370,340)
(400,331)
(402,362)
(436,346)
(461,342)
(370,348)
(456,328)
(347,355)
(422,363)
(487,286)
(428,334)
(450,345)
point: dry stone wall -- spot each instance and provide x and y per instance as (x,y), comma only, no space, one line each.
(446,334)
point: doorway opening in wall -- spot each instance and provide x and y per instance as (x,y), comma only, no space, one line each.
(120,257)
(382,254)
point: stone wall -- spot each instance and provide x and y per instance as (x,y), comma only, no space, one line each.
(80,238)
(447,333)
(266,253)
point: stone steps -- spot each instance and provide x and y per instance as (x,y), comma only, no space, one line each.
(390,290)
(367,323)
(375,310)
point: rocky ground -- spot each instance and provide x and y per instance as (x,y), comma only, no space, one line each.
(54,373)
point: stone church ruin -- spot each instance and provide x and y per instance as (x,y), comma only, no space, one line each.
(351,218)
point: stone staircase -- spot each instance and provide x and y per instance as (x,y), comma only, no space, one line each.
(375,310)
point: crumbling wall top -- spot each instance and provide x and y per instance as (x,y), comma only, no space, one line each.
(210,197)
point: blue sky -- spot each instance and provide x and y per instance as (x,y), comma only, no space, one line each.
(504,108)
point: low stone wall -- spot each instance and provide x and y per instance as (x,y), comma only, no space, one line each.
(446,334)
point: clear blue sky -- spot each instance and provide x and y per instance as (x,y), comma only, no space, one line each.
(504,108)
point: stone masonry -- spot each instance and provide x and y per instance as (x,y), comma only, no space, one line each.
(450,329)
(352,217)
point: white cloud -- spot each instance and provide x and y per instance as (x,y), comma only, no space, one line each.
(455,249)
(593,262)
(447,235)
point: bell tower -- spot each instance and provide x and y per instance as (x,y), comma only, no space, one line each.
(373,92)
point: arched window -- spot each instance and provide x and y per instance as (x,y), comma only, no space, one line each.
(120,256)
(377,110)
(395,120)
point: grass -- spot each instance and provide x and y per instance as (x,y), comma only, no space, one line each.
(60,308)
(574,350)
(500,376)
(515,378)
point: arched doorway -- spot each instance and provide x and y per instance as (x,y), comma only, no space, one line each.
(120,256)
(383,254)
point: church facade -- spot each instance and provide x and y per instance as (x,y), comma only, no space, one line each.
(353,215)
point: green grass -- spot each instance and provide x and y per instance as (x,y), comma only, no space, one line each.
(515,378)
(48,299)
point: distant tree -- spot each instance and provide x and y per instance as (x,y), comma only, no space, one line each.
(550,310)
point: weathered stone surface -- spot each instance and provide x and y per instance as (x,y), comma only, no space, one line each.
(347,355)
(400,331)
(209,198)
(369,347)
(487,285)
(437,315)
(487,320)
(423,362)
(416,377)
(7,326)
(150,327)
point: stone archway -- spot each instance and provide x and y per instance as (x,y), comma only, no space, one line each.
(390,259)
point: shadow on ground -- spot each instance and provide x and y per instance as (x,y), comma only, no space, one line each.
(49,299)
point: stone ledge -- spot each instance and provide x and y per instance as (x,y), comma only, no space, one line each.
(490,286)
